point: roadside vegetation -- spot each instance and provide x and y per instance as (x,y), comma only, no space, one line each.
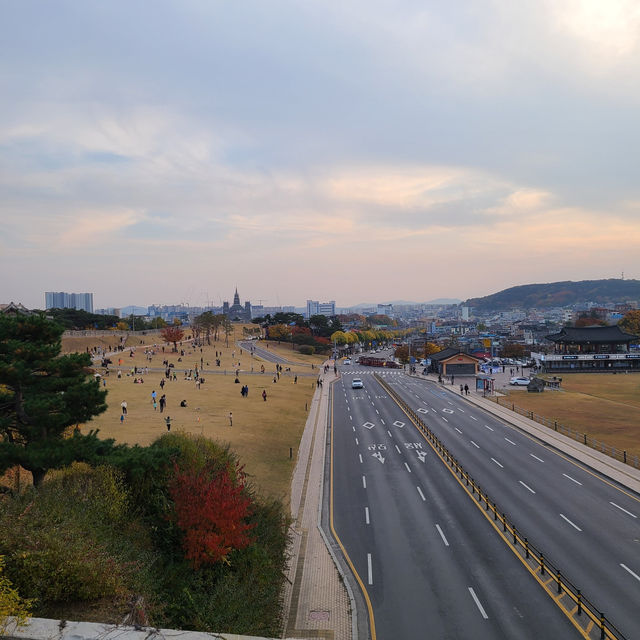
(172,533)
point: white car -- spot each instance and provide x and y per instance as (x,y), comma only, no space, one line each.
(347,361)
(356,383)
(519,382)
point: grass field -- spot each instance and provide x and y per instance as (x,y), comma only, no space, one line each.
(262,432)
(606,407)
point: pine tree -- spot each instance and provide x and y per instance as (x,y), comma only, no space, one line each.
(43,394)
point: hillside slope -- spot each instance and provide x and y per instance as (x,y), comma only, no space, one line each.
(559,294)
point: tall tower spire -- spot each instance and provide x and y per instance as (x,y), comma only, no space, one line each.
(236,297)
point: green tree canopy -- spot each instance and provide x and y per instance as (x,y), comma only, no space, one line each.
(42,394)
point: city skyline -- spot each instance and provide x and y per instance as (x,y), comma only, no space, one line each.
(366,152)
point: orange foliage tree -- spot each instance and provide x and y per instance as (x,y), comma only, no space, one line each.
(172,334)
(211,508)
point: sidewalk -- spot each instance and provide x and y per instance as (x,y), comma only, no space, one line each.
(316,603)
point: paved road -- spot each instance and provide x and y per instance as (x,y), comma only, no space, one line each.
(428,559)
(586,524)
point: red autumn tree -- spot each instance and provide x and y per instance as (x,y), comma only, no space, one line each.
(211,507)
(172,334)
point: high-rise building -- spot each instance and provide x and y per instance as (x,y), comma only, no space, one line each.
(316,308)
(63,300)
(385,310)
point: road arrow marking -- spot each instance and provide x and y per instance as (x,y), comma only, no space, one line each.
(378,456)
(422,455)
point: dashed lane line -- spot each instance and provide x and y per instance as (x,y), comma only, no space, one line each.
(483,613)
(526,486)
(444,539)
(573,524)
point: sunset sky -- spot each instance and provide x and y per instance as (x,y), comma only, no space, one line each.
(363,151)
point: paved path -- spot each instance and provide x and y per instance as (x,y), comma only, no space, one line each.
(316,601)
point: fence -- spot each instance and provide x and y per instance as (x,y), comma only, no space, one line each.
(618,454)
(584,613)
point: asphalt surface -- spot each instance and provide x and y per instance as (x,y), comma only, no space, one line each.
(588,526)
(429,561)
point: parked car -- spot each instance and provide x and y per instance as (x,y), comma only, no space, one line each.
(519,382)
(356,383)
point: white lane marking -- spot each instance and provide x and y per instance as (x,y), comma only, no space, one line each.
(511,442)
(446,543)
(474,418)
(480,607)
(366,515)
(526,486)
(364,482)
(575,526)
(444,419)
(408,467)
(421,494)
(353,428)
(497,463)
(572,479)
(450,402)
(461,410)
(397,448)
(381,420)
(350,417)
(635,575)
(360,456)
(536,457)
(621,509)
(357,441)
(488,427)
(458,430)
(377,412)
(389,432)
(369,569)
(477,446)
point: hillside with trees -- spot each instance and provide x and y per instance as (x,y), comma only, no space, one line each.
(559,294)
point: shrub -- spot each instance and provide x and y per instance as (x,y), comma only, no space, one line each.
(307,350)
(211,508)
(11,604)
(58,540)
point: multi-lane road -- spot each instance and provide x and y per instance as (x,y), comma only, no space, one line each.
(429,563)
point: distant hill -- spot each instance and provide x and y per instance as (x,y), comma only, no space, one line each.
(559,294)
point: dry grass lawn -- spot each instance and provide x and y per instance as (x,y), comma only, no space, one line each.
(605,407)
(262,432)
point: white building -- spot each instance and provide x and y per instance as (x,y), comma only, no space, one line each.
(315,308)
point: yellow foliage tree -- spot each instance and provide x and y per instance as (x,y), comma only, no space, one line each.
(11,604)
(631,322)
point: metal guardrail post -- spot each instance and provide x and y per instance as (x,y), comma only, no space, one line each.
(526,548)
(602,636)
(559,580)
(515,536)
(542,564)
(504,522)
(579,602)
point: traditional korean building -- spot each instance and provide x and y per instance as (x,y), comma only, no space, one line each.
(585,349)
(454,362)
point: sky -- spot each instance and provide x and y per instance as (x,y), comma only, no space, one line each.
(370,150)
